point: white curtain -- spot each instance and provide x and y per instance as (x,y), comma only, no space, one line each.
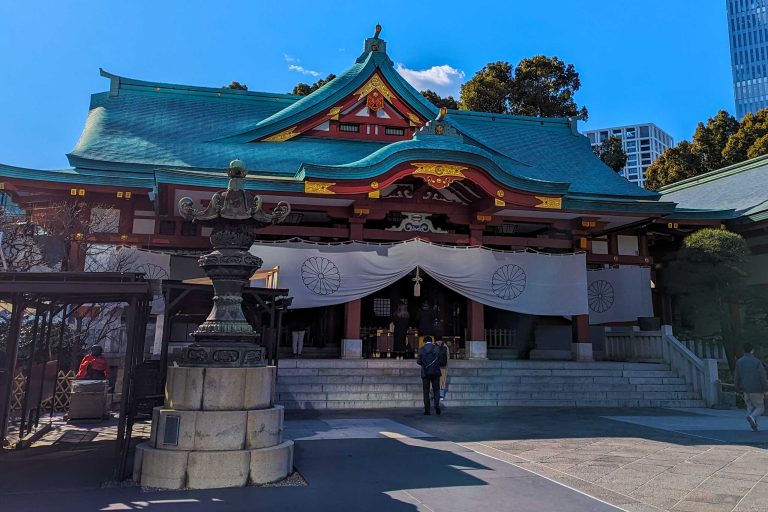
(526,282)
(619,294)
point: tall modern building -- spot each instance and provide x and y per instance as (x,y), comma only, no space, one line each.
(748,31)
(643,144)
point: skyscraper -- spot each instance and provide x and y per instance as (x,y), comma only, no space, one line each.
(643,143)
(748,36)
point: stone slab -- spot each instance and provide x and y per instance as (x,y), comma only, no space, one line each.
(184,388)
(87,405)
(163,469)
(184,434)
(220,430)
(224,389)
(215,470)
(259,392)
(265,428)
(271,464)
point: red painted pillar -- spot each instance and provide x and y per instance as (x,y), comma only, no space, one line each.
(581,346)
(352,320)
(475,321)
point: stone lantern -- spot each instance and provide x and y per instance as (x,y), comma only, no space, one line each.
(219,426)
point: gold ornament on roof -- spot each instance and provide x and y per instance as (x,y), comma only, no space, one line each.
(282,136)
(413,119)
(375,84)
(438,176)
(334,113)
(550,202)
(317,187)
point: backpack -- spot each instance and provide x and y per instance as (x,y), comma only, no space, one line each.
(430,363)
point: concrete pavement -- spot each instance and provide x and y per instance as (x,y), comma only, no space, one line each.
(520,459)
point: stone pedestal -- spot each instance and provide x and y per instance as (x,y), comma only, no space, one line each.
(218,428)
(477,350)
(88,400)
(582,351)
(351,349)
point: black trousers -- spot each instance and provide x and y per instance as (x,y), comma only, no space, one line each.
(435,383)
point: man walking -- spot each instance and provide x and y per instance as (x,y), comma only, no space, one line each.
(429,360)
(750,378)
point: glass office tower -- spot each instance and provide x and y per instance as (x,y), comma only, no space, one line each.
(748,36)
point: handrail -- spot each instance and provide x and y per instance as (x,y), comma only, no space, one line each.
(700,373)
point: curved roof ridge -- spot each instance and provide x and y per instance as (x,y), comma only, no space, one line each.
(117,83)
(451,150)
(510,117)
(328,95)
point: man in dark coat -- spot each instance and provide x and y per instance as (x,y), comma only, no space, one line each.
(750,378)
(429,360)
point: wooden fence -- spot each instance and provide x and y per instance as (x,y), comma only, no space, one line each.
(60,396)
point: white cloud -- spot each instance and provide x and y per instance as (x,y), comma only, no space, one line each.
(288,58)
(303,70)
(444,79)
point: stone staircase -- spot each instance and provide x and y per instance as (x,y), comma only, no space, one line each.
(382,383)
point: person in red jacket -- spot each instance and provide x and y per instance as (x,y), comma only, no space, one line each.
(93,366)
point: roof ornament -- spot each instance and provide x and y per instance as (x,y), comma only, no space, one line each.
(377,31)
(441,115)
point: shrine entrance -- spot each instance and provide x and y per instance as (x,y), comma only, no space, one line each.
(446,307)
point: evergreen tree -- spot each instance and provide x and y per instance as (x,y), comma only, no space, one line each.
(612,153)
(439,101)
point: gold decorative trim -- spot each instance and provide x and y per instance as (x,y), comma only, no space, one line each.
(500,193)
(282,136)
(375,194)
(375,84)
(484,218)
(438,176)
(374,185)
(334,113)
(413,119)
(436,169)
(499,202)
(555,203)
(317,187)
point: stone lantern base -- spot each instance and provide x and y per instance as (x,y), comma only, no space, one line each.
(218,428)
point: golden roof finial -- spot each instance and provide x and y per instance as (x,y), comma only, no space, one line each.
(377,32)
(442,114)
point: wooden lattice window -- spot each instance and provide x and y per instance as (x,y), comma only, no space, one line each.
(381,307)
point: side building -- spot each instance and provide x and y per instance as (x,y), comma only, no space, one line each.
(748,37)
(643,144)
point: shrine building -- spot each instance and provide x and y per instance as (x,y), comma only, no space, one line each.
(507,228)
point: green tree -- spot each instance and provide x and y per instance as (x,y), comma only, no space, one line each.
(675,164)
(539,86)
(710,139)
(740,145)
(439,101)
(488,90)
(612,153)
(708,278)
(545,86)
(236,85)
(303,89)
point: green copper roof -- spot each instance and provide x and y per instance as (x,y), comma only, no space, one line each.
(166,133)
(741,189)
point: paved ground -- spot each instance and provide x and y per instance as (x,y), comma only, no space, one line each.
(467,459)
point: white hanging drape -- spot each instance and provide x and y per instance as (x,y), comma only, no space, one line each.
(525,282)
(619,294)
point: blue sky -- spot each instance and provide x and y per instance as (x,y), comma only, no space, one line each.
(663,61)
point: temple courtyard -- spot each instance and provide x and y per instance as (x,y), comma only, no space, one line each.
(506,458)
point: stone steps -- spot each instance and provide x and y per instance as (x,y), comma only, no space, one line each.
(384,383)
